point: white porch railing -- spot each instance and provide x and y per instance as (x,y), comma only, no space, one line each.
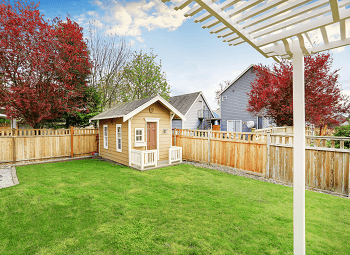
(175,154)
(144,158)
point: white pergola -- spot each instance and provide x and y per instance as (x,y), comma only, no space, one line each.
(280,29)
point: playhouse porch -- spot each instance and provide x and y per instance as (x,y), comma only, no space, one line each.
(146,160)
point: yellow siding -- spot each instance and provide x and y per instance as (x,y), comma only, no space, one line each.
(139,121)
(112,153)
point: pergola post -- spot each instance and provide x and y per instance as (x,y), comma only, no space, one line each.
(299,153)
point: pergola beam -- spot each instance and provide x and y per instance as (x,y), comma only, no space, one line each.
(278,11)
(335,10)
(183,4)
(220,15)
(228,4)
(290,18)
(246,5)
(193,11)
(259,10)
(324,35)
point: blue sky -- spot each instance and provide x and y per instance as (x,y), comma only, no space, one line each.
(193,59)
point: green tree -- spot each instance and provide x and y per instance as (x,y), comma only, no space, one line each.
(80,118)
(143,77)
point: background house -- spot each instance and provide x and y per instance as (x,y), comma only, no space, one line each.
(195,108)
(138,133)
(233,105)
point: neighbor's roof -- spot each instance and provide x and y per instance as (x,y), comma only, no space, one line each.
(129,109)
(185,102)
(237,78)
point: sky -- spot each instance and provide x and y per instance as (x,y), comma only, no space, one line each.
(193,59)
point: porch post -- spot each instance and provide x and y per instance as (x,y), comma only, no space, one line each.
(299,153)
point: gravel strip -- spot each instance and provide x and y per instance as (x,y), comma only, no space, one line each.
(251,175)
(6,179)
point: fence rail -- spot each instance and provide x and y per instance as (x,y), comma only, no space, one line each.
(271,155)
(18,145)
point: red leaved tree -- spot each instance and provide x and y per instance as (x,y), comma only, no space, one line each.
(44,65)
(272,92)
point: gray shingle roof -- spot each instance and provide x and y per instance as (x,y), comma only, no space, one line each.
(122,108)
(183,102)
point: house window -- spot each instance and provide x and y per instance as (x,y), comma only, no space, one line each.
(139,135)
(105,136)
(119,137)
(224,98)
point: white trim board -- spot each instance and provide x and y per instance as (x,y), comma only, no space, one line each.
(141,107)
(155,99)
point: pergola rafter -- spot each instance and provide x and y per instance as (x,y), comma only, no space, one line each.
(271,26)
(280,29)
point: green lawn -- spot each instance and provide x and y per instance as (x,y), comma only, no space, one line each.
(94,207)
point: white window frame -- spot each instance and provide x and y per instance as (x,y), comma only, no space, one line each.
(142,143)
(105,136)
(142,135)
(117,137)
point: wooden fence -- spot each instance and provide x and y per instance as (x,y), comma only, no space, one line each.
(240,150)
(18,145)
(5,125)
(270,155)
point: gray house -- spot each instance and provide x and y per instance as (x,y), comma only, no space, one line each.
(233,105)
(195,108)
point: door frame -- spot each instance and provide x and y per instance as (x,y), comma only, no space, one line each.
(156,120)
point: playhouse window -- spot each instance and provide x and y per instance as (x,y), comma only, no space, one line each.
(139,135)
(119,137)
(105,136)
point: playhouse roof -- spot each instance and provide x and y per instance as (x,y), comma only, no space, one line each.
(129,109)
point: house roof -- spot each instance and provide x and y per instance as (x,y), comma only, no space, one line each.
(237,78)
(185,102)
(129,109)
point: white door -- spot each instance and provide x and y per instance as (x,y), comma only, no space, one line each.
(238,125)
(234,125)
(230,126)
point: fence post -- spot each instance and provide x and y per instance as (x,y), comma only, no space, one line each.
(71,141)
(14,145)
(268,139)
(209,135)
(174,136)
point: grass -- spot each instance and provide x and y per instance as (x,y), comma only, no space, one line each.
(94,207)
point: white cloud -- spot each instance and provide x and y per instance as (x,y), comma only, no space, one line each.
(131,43)
(93,13)
(129,19)
(140,39)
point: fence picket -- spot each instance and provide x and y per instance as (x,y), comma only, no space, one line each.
(39,144)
